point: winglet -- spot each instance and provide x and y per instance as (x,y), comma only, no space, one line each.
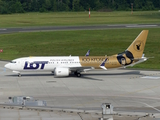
(103,64)
(87,54)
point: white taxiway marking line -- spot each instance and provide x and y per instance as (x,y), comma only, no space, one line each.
(150,106)
(142,26)
(122,25)
(114,25)
(151,77)
(144,104)
(3,29)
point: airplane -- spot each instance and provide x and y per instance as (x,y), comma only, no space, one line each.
(63,66)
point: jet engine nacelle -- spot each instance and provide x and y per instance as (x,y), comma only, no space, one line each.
(61,72)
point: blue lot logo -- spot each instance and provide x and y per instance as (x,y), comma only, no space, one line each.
(35,65)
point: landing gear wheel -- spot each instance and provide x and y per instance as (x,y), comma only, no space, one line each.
(19,75)
(78,74)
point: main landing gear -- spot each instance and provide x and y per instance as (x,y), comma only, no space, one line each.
(19,74)
(78,74)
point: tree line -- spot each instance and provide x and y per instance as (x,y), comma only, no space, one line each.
(21,6)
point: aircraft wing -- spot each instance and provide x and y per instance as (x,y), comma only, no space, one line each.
(84,69)
(81,69)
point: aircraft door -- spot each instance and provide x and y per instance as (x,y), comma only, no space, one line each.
(22,64)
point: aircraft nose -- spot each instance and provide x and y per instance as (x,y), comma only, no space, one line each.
(7,66)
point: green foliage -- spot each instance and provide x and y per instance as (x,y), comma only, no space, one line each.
(20,6)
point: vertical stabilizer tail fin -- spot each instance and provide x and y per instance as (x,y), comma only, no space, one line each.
(137,46)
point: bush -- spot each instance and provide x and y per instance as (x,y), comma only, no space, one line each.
(42,9)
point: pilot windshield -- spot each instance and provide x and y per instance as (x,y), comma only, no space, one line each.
(13,61)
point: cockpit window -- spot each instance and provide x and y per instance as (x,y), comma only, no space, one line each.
(13,61)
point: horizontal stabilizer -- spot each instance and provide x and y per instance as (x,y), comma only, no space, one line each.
(139,60)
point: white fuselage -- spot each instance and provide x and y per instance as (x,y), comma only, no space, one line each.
(43,63)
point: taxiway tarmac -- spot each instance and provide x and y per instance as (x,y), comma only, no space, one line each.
(128,90)
(87,27)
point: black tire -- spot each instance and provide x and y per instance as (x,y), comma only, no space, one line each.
(77,74)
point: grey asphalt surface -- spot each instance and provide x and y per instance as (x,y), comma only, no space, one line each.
(132,93)
(64,28)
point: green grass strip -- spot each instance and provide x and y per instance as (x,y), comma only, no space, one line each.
(78,18)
